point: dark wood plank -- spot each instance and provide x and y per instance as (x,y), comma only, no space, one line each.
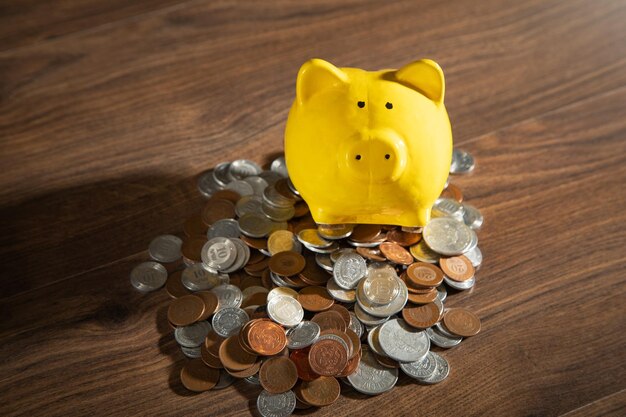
(611,405)
(24,22)
(103,132)
(550,295)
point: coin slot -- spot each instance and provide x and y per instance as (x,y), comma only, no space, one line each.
(358,157)
(361,104)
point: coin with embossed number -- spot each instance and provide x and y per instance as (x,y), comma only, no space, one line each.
(285,310)
(148,276)
(421,369)
(447,236)
(401,342)
(165,248)
(228,321)
(276,405)
(370,377)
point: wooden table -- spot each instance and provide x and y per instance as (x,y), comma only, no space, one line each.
(109,110)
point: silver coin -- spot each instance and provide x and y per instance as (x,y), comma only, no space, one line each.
(442,293)
(148,276)
(276,405)
(441,340)
(447,236)
(228,296)
(248,204)
(348,270)
(219,253)
(279,166)
(475,256)
(258,184)
(310,238)
(279,281)
(165,248)
(462,162)
(255,225)
(472,216)
(403,343)
(364,244)
(323,261)
(275,292)
(302,335)
(422,369)
(355,325)
(461,286)
(242,168)
(253,380)
(330,249)
(285,310)
(442,329)
(370,377)
(292,187)
(227,321)
(220,174)
(277,214)
(339,294)
(240,187)
(193,335)
(226,380)
(191,352)
(385,310)
(447,207)
(423,253)
(381,286)
(223,228)
(337,254)
(243,256)
(368,319)
(206,184)
(270,177)
(198,278)
(273,198)
(441,372)
(346,231)
(373,341)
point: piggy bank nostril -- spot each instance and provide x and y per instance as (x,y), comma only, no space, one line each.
(387,156)
(358,157)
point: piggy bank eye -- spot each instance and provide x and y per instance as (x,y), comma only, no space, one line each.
(361,104)
(389,105)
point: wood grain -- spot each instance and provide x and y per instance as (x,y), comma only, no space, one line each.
(104,128)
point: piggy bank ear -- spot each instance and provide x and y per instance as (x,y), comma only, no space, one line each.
(317,75)
(425,76)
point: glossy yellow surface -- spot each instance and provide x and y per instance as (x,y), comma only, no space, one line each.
(369,147)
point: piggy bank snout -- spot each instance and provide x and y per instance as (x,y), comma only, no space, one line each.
(377,157)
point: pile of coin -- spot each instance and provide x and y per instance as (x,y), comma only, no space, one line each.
(264,294)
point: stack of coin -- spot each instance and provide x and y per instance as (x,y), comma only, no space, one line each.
(268,296)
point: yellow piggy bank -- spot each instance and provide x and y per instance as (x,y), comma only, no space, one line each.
(369,147)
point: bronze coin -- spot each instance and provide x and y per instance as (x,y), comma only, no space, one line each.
(461,322)
(356,342)
(174,285)
(453,192)
(365,232)
(255,257)
(254,243)
(422,274)
(266,338)
(330,320)
(256,268)
(198,377)
(457,268)
(217,209)
(328,357)
(192,248)
(213,341)
(287,263)
(233,356)
(249,281)
(312,274)
(210,360)
(245,372)
(300,209)
(396,253)
(373,254)
(300,358)
(195,227)
(426,298)
(344,336)
(230,195)
(352,365)
(278,375)
(403,238)
(257,299)
(282,186)
(345,314)
(315,298)
(210,303)
(185,310)
(421,317)
(386,361)
(320,392)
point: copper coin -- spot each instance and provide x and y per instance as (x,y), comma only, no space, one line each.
(233,356)
(329,320)
(300,358)
(328,357)
(195,227)
(403,238)
(422,274)
(267,338)
(217,209)
(461,322)
(230,195)
(257,267)
(174,285)
(245,372)
(453,192)
(192,247)
(254,243)
(365,232)
(198,377)
(312,274)
(257,299)
(421,317)
(210,303)
(249,281)
(320,392)
(356,342)
(185,310)
(345,314)
(457,268)
(423,298)
(300,209)
(255,257)
(396,253)
(213,342)
(282,186)
(278,375)
(210,360)
(287,263)
(315,298)
(386,361)
(373,254)
(343,336)
(352,365)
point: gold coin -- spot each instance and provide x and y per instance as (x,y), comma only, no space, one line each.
(280,241)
